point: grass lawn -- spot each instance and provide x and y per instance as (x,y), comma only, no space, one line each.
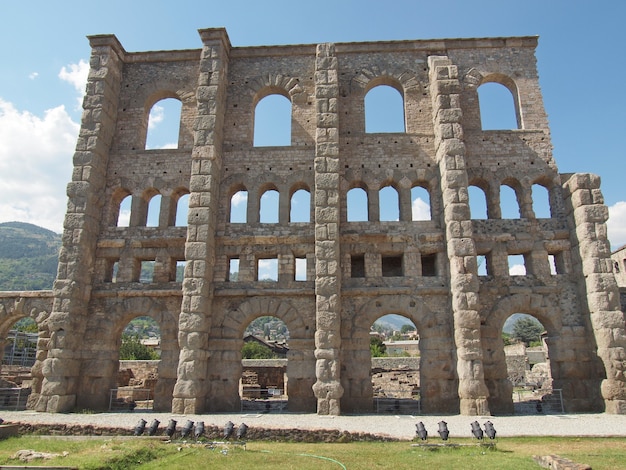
(143,453)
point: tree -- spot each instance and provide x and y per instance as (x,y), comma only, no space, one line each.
(527,330)
(406,328)
(27,325)
(133,350)
(377,347)
(254,350)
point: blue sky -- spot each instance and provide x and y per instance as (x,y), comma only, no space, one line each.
(44,52)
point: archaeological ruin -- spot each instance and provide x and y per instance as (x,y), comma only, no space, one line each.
(336,274)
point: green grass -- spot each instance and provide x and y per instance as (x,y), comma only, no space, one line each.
(140,453)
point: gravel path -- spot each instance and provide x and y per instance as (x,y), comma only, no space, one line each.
(400,426)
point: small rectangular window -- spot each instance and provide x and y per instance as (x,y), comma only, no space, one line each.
(233,270)
(429,265)
(300,269)
(481,261)
(111,270)
(179,275)
(357,266)
(146,275)
(392,266)
(517,265)
(267,269)
(552,262)
(557,263)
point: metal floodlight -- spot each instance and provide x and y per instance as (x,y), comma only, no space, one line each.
(199,430)
(139,428)
(154,427)
(186,430)
(229,427)
(476,431)
(443,430)
(490,430)
(421,431)
(241,432)
(171,428)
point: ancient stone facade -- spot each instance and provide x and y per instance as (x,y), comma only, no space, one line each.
(357,271)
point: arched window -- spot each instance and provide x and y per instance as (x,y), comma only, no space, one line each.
(154,208)
(239,207)
(509,205)
(541,201)
(389,205)
(123,215)
(420,204)
(497,107)
(268,212)
(300,210)
(272,121)
(357,205)
(477,202)
(182,210)
(384,110)
(164,124)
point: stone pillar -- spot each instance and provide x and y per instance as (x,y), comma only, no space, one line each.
(328,388)
(461,250)
(588,215)
(191,388)
(72,288)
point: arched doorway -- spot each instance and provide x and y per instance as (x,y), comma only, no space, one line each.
(438,386)
(528,365)
(139,356)
(226,343)
(394,346)
(263,385)
(19,354)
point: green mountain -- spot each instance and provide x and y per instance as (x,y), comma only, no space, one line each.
(28,256)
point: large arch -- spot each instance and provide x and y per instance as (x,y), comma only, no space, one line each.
(226,341)
(37,307)
(100,365)
(570,352)
(437,370)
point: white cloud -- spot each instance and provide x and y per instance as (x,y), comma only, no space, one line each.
(240,197)
(420,209)
(517,270)
(268,270)
(616,225)
(33,75)
(76,75)
(35,164)
(157,115)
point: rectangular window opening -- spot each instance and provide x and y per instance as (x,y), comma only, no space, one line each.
(113,266)
(483,269)
(392,266)
(146,274)
(267,269)
(517,265)
(557,263)
(179,273)
(233,270)
(357,266)
(429,265)
(300,269)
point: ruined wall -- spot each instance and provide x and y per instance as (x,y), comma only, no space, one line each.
(357,271)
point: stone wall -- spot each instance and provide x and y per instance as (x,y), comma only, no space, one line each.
(435,283)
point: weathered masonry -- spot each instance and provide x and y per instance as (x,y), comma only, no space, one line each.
(356,271)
